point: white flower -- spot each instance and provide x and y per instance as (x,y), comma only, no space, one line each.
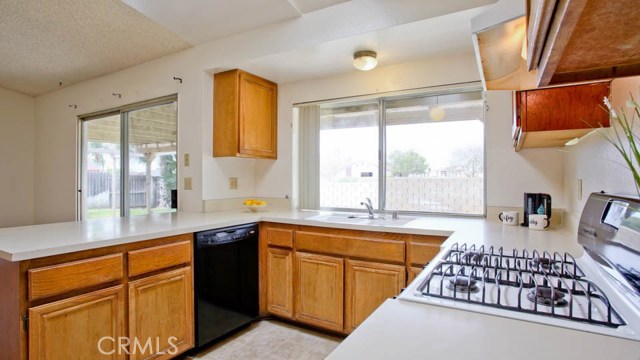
(607,103)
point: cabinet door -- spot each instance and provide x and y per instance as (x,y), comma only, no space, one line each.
(565,108)
(280,282)
(368,285)
(258,116)
(161,312)
(82,327)
(319,290)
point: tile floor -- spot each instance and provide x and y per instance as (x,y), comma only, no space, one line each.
(272,340)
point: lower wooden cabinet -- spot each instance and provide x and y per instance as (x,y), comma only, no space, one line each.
(413,272)
(72,329)
(368,285)
(319,287)
(280,282)
(161,312)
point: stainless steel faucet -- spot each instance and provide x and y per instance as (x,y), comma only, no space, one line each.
(369,207)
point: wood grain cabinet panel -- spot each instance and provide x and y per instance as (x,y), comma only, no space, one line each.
(368,285)
(161,309)
(361,247)
(245,115)
(62,278)
(159,257)
(551,117)
(420,253)
(280,282)
(413,272)
(278,236)
(71,329)
(319,290)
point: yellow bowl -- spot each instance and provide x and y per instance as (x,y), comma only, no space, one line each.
(256,208)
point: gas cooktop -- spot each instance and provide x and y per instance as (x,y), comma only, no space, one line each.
(596,293)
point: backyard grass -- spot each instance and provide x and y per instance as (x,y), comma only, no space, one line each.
(102,213)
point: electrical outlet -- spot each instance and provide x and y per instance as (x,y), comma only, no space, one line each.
(233,183)
(187,160)
(188,185)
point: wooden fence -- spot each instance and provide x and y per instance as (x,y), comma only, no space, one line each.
(99,190)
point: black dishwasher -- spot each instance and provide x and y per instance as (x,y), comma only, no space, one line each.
(226,281)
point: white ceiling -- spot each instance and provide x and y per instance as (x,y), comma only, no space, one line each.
(444,35)
(200,21)
(43,43)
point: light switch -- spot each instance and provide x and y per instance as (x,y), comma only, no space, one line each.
(233,183)
(188,183)
(187,160)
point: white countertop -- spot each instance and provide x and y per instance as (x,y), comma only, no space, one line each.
(397,329)
(403,330)
(29,242)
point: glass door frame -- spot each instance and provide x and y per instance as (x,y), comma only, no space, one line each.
(81,161)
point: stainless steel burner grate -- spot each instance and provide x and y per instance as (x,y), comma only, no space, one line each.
(539,283)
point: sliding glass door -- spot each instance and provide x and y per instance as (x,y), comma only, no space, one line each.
(128,164)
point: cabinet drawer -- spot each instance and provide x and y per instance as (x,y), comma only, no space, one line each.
(280,237)
(376,249)
(420,254)
(159,257)
(62,278)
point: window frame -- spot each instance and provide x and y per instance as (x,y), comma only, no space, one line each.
(382,145)
(123,112)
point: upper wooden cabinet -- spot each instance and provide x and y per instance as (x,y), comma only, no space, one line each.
(244,115)
(538,43)
(585,40)
(551,117)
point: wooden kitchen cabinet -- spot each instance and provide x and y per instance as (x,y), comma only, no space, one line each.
(368,285)
(551,117)
(244,116)
(161,310)
(59,307)
(280,282)
(319,290)
(339,276)
(71,329)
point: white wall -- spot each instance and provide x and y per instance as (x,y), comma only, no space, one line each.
(56,122)
(510,173)
(17,117)
(596,162)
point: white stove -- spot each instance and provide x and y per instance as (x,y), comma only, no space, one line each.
(598,292)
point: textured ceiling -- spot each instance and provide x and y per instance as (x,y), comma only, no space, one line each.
(43,43)
(200,21)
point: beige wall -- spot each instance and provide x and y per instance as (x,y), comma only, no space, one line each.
(17,116)
(594,161)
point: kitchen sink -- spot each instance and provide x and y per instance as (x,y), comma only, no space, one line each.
(363,219)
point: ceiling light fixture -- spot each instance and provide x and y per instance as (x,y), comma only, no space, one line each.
(365,60)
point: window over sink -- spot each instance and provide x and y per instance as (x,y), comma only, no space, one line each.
(422,152)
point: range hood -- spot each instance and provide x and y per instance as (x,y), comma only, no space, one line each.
(499,40)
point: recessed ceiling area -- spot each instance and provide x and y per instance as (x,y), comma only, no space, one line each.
(440,36)
(43,43)
(200,21)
